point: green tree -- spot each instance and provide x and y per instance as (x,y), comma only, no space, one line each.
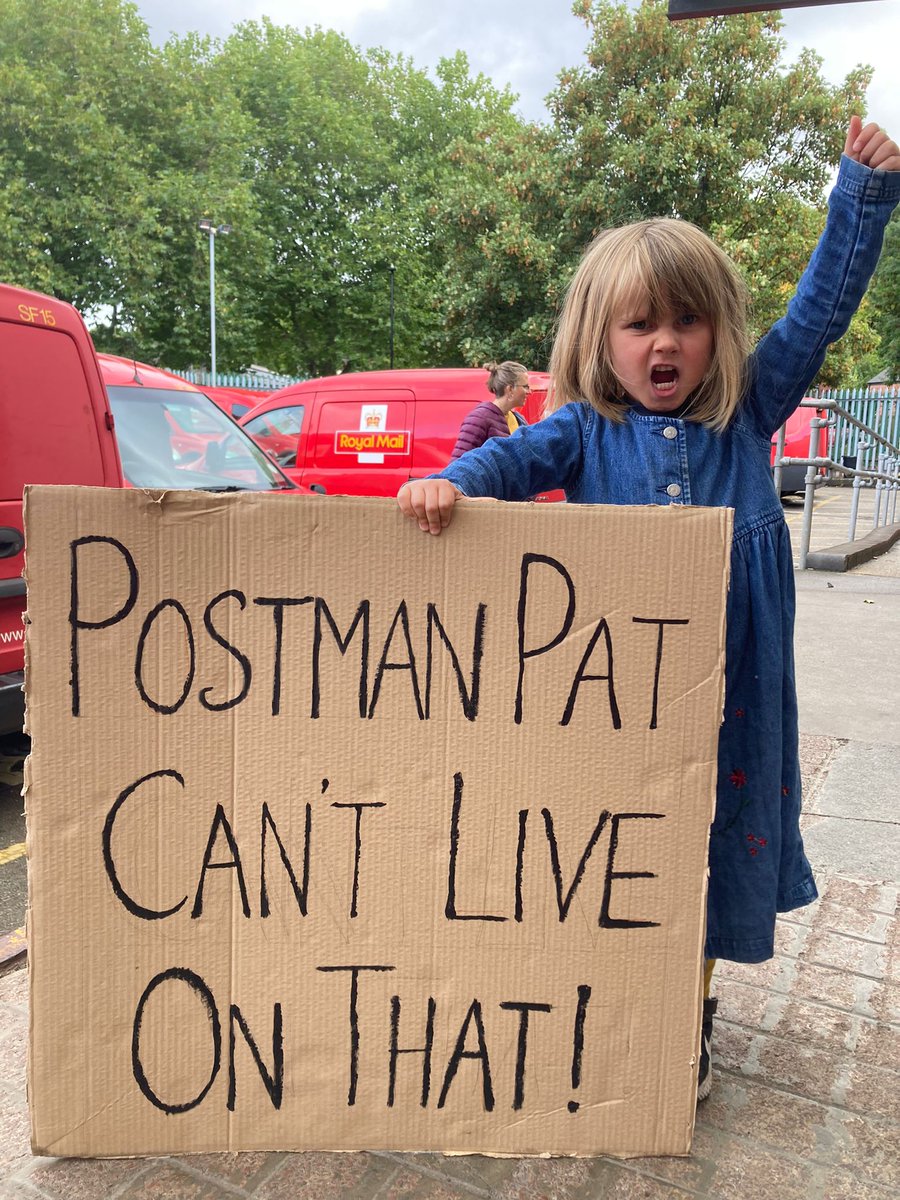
(109,152)
(190,164)
(334,166)
(697,119)
(884,296)
(498,220)
(66,171)
(320,171)
(451,134)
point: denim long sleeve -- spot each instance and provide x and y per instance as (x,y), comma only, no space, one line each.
(789,356)
(536,458)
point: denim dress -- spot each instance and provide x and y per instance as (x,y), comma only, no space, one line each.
(757,865)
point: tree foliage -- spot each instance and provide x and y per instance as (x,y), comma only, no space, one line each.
(341,171)
(693,119)
(885,299)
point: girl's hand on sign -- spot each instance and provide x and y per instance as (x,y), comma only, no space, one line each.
(428,501)
(871,146)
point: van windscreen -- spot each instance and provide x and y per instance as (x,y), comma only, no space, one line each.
(180,439)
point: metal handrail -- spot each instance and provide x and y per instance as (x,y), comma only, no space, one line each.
(883,474)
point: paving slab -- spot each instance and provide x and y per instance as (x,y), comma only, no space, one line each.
(873,853)
(862,784)
(846,648)
(851,821)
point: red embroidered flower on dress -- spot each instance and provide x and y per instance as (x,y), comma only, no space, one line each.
(785,790)
(737,778)
(738,712)
(756,843)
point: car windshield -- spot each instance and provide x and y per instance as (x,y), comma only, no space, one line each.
(180,439)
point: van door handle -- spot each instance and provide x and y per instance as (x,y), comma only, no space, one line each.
(317,487)
(11,542)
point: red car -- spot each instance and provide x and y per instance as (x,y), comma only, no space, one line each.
(237,402)
(796,445)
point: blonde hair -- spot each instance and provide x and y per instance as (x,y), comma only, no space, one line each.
(503,376)
(651,266)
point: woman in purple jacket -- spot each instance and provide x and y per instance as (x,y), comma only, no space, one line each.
(493,418)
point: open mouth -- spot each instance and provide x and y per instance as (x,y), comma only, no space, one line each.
(664,379)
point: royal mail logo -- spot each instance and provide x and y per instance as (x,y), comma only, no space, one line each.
(384,441)
(373,420)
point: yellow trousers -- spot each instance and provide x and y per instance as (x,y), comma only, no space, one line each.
(707,976)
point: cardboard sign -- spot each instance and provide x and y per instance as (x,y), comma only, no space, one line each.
(346,837)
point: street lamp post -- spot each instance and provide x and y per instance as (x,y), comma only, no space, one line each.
(392,269)
(212,229)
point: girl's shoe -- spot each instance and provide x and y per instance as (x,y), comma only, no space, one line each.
(704,1075)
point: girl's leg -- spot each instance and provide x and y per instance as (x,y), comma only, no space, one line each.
(707,976)
(704,1073)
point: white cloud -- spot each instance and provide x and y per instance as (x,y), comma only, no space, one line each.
(526,43)
(846,35)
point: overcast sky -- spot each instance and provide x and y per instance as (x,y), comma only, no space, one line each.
(526,43)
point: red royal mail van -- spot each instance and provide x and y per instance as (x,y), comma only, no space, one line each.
(237,402)
(365,434)
(55,427)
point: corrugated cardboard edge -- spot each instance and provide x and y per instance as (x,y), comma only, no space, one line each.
(26,787)
(726,524)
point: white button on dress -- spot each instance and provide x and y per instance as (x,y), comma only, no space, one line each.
(674,489)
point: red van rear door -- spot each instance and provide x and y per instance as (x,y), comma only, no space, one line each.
(54,428)
(361,443)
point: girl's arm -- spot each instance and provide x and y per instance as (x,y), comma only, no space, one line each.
(536,458)
(788,358)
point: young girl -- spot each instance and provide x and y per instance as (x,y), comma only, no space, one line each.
(659,404)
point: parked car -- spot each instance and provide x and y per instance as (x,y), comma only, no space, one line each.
(796,445)
(237,402)
(366,433)
(170,434)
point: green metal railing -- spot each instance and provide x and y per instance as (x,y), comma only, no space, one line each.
(877,408)
(863,446)
(256,381)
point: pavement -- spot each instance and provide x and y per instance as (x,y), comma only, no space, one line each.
(806,1054)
